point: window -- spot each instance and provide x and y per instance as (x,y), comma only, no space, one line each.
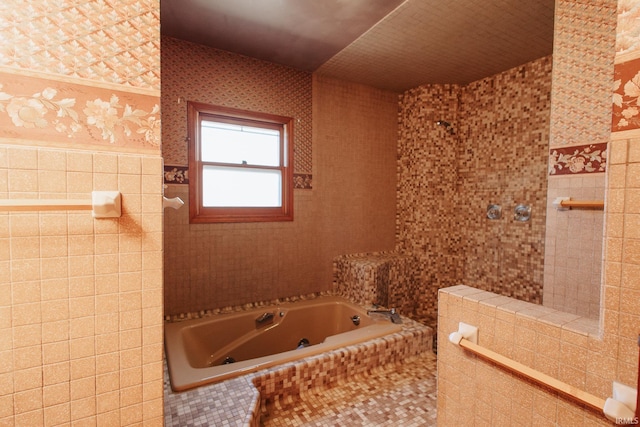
(239,165)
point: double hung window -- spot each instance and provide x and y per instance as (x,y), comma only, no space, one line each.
(239,165)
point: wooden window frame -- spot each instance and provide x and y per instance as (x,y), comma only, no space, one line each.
(198,213)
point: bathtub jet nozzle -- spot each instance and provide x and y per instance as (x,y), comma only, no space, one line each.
(264,318)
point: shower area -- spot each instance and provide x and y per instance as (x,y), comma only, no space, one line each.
(461,150)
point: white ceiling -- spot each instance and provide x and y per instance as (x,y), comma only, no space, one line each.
(389,44)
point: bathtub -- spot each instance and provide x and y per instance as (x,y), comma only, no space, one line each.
(224,346)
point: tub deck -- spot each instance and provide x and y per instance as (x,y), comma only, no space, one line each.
(196,350)
(240,401)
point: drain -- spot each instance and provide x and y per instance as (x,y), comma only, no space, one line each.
(228,360)
(303,343)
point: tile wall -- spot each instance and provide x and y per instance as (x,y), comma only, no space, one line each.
(494,152)
(81,298)
(348,208)
(561,344)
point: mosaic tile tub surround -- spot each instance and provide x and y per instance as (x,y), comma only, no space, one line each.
(383,278)
(241,401)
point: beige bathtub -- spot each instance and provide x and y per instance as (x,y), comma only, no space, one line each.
(196,349)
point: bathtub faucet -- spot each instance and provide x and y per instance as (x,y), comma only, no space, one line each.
(393,314)
(264,317)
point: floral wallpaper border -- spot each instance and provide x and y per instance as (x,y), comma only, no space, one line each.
(626,96)
(302,181)
(581,159)
(53,111)
(175,174)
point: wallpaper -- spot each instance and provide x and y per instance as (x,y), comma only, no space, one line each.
(112,42)
(580,95)
(203,74)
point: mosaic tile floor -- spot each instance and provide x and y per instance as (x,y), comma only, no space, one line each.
(394,395)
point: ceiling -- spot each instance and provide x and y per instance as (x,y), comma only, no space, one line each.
(389,44)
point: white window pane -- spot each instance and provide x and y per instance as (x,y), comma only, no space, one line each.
(227,143)
(235,187)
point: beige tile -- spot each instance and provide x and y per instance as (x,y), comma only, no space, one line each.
(131,395)
(55,352)
(27,336)
(631,252)
(79,184)
(107,363)
(52,160)
(150,411)
(27,269)
(130,165)
(130,301)
(634,150)
(6,408)
(132,359)
(30,418)
(107,343)
(111,418)
(81,307)
(22,158)
(633,175)
(108,382)
(26,401)
(105,182)
(26,314)
(130,339)
(54,310)
(82,347)
(83,388)
(55,332)
(83,408)
(27,379)
(106,284)
(25,224)
(129,185)
(58,414)
(107,402)
(52,181)
(151,165)
(81,265)
(79,161)
(107,304)
(25,247)
(105,163)
(56,394)
(26,292)
(106,264)
(618,151)
(131,415)
(130,320)
(106,323)
(617,176)
(130,281)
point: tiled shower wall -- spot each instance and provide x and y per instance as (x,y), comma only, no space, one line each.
(350,206)
(80,298)
(494,152)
